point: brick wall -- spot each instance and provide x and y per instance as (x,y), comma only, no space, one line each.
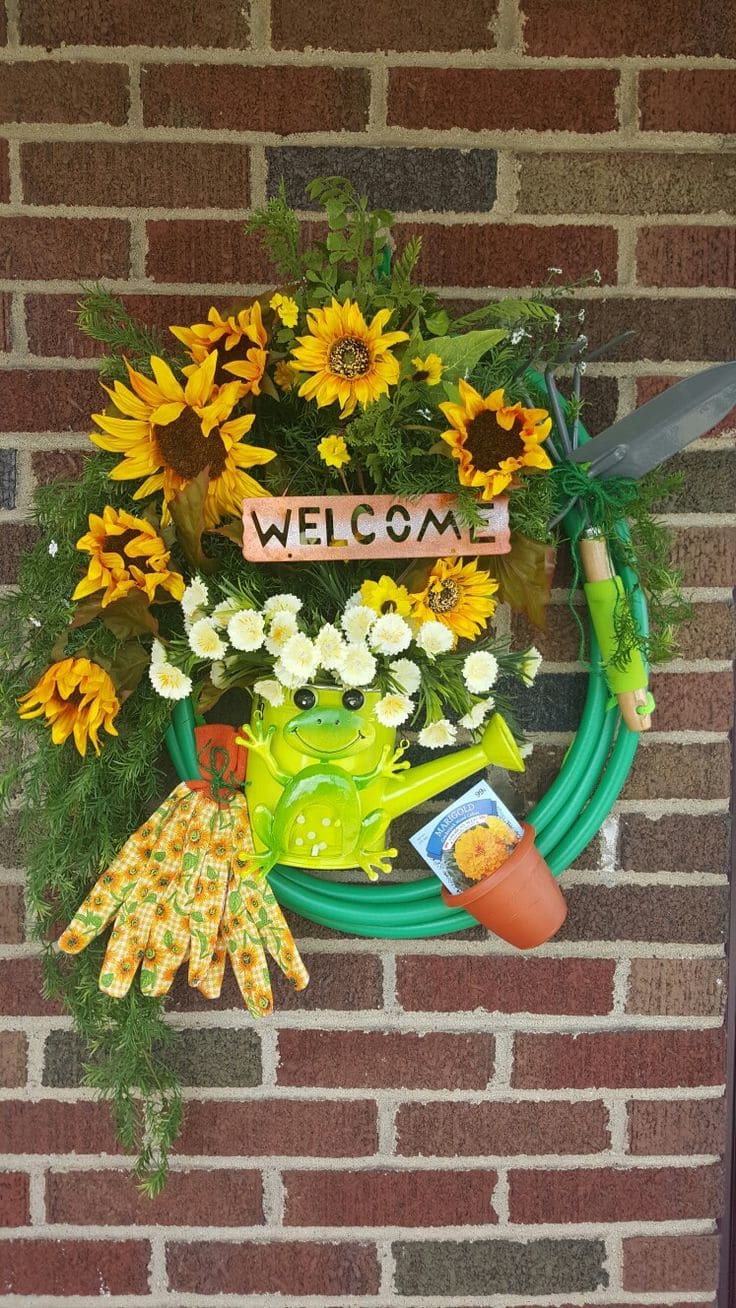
(440,1121)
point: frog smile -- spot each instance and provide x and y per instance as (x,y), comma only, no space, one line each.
(340,749)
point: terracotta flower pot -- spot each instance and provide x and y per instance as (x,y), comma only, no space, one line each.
(521,902)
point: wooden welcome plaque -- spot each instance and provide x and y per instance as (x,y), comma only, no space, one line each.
(304,528)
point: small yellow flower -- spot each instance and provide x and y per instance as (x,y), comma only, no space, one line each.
(385,596)
(286,308)
(285,376)
(333,451)
(428,370)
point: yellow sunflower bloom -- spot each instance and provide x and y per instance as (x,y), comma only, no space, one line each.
(77,698)
(241,341)
(333,451)
(428,370)
(385,596)
(350,360)
(285,376)
(126,554)
(168,434)
(458,595)
(286,308)
(493,440)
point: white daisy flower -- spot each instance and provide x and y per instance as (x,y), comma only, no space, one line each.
(271,691)
(434,638)
(357,621)
(287,678)
(331,646)
(407,675)
(158,652)
(246,630)
(282,627)
(284,603)
(480,671)
(530,665)
(358,667)
(437,734)
(196,596)
(390,634)
(355,599)
(393,709)
(168,681)
(477,715)
(225,610)
(299,657)
(205,640)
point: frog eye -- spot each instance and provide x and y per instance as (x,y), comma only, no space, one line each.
(304,698)
(353,699)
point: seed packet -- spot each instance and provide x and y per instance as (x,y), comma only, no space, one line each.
(468,840)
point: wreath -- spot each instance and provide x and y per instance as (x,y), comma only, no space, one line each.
(307,511)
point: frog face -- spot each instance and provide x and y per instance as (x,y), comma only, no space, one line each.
(329,723)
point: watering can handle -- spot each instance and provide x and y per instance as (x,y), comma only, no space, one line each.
(603,591)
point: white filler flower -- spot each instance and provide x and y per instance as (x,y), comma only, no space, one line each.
(271,691)
(390,634)
(530,665)
(299,657)
(407,675)
(437,734)
(282,627)
(283,603)
(477,715)
(158,652)
(196,596)
(480,671)
(168,681)
(330,646)
(246,630)
(357,621)
(205,639)
(286,677)
(358,667)
(434,638)
(393,709)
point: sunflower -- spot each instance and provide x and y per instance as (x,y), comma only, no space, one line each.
(457,594)
(76,697)
(170,433)
(127,554)
(350,359)
(241,340)
(493,440)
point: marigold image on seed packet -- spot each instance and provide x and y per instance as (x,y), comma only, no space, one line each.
(468,840)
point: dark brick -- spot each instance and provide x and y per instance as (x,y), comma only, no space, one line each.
(671,1262)
(55,1267)
(624,182)
(380,1197)
(147,173)
(14,1199)
(686,256)
(39,248)
(452,983)
(383,25)
(48,465)
(48,92)
(684,842)
(274,99)
(378,1058)
(12,1059)
(478,99)
(663,771)
(693,701)
(12,915)
(484,1267)
(592,29)
(8,459)
(482,254)
(337,981)
(205,1056)
(17,538)
(491,1128)
(636,1059)
(706,556)
(676,1126)
(273,1267)
(221,23)
(407,180)
(692,915)
(614,1194)
(52,400)
(555,703)
(226,1197)
(677,986)
(343,1128)
(711,634)
(708,479)
(687,100)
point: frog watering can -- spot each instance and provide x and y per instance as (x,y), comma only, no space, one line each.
(325,778)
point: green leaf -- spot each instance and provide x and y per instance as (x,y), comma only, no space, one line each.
(86,611)
(168,939)
(437,324)
(130,616)
(460,354)
(131,662)
(107,978)
(189,861)
(235,901)
(187,511)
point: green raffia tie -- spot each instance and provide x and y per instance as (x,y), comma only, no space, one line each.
(604,501)
(217,764)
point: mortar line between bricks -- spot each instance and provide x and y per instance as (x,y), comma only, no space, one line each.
(618,1119)
(378,101)
(508,29)
(135,109)
(258,177)
(260,26)
(614,1261)
(15,195)
(158,1277)
(621,978)
(274,1193)
(36,1192)
(12,9)
(386,1267)
(429,1022)
(592,1299)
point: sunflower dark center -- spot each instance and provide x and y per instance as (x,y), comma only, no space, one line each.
(119,544)
(349,357)
(187,451)
(488,444)
(238,354)
(444,597)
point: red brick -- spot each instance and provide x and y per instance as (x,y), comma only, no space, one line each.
(342,1128)
(504,254)
(671,1262)
(595,30)
(692,915)
(612,1194)
(696,701)
(12,915)
(622,1058)
(677,986)
(463,983)
(382,1058)
(145,173)
(664,771)
(686,256)
(449,1130)
(706,556)
(55,1267)
(279,99)
(478,99)
(648,387)
(48,1126)
(273,1267)
(14,1199)
(21,981)
(39,248)
(49,92)
(678,842)
(202,251)
(226,1197)
(48,400)
(4,170)
(676,1126)
(383,25)
(687,100)
(52,330)
(337,981)
(389,1198)
(48,465)
(12,1059)
(219,23)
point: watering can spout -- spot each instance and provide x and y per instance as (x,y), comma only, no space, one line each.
(413,787)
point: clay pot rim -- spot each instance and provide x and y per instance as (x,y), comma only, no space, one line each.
(507,869)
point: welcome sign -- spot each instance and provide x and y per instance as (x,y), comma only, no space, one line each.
(316,527)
